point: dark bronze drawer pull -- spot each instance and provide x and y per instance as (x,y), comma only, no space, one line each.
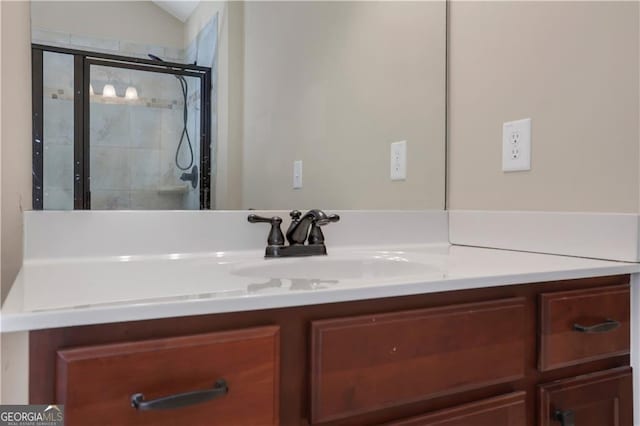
(565,417)
(219,389)
(608,325)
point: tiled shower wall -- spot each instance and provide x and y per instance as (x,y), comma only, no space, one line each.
(133,142)
(93,44)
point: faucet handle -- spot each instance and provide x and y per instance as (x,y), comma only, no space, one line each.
(295,215)
(276,237)
(315,235)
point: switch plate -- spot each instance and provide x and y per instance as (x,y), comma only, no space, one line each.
(516,145)
(399,160)
(297,174)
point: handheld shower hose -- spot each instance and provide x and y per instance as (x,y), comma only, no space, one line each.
(191,176)
(185,117)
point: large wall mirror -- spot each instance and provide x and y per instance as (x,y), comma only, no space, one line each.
(239,105)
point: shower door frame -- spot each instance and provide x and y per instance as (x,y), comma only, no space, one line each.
(83,60)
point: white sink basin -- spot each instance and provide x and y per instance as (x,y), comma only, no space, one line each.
(326,268)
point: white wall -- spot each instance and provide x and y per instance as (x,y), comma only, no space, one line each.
(573,67)
(132,21)
(15,134)
(333,84)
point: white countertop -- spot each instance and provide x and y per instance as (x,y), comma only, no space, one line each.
(70,292)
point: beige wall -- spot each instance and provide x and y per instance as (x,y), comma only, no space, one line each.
(3,291)
(333,84)
(573,68)
(14,362)
(15,134)
(134,21)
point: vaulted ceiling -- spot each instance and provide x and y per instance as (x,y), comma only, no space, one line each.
(181,9)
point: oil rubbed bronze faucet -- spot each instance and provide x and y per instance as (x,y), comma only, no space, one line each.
(303,228)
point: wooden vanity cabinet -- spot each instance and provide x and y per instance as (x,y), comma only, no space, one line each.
(215,378)
(504,410)
(576,327)
(598,399)
(583,325)
(484,357)
(365,363)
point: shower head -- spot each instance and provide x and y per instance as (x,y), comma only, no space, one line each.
(155,58)
(159,59)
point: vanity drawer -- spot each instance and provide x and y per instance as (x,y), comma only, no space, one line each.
(583,325)
(604,398)
(96,383)
(504,410)
(366,363)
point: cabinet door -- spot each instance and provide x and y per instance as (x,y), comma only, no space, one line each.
(224,378)
(599,399)
(504,410)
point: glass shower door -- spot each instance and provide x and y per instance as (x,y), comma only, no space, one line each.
(56,144)
(144,134)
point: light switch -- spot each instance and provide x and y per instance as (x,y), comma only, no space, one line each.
(399,160)
(297,174)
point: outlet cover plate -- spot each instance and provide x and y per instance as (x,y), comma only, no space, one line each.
(516,145)
(398,165)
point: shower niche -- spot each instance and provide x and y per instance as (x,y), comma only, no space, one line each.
(115,132)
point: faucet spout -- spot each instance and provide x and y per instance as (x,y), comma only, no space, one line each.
(299,229)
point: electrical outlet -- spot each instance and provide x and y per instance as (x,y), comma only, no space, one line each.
(516,145)
(297,174)
(399,160)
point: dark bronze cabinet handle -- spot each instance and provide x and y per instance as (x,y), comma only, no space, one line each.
(565,417)
(219,389)
(608,325)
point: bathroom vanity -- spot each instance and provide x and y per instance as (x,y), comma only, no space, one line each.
(383,330)
(176,318)
(512,355)
(450,350)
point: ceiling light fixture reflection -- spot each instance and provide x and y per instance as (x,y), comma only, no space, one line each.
(109,91)
(91,92)
(131,93)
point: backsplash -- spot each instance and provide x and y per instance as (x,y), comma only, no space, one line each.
(84,234)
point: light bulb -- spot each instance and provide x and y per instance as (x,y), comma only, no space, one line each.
(109,91)
(91,92)
(131,93)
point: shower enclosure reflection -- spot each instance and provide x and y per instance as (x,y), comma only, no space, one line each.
(122,113)
(141,139)
(120,133)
